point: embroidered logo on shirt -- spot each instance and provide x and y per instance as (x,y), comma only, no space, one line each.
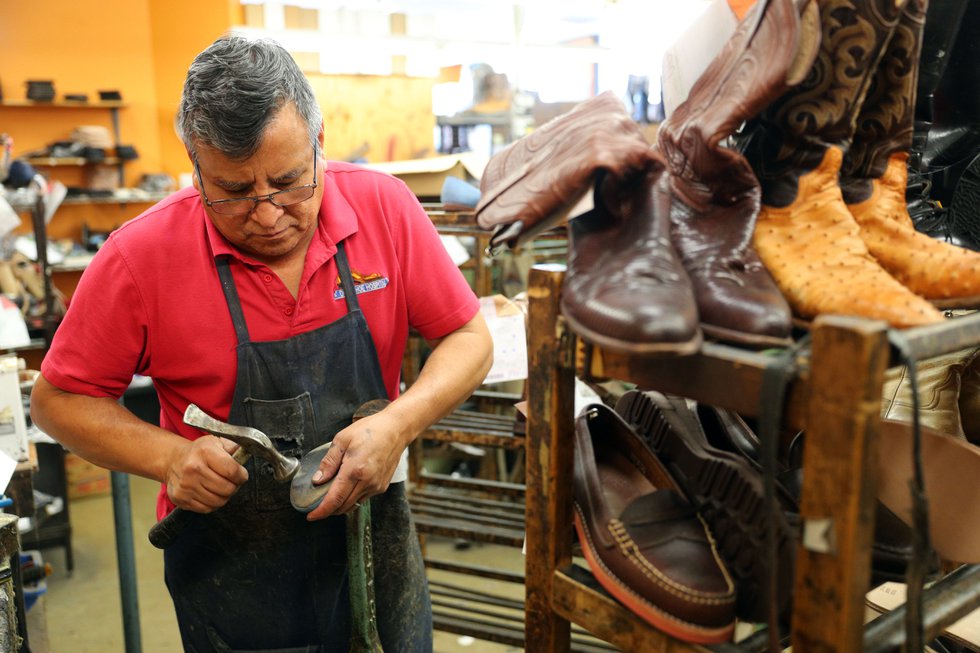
(362,283)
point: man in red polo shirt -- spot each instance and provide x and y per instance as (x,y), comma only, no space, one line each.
(278,294)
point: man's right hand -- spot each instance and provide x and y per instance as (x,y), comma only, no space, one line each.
(203,475)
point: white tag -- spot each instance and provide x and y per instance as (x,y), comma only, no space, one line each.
(13,329)
(7,467)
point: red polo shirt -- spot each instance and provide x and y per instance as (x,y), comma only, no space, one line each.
(150,302)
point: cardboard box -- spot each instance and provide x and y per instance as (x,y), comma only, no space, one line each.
(888,596)
(425,176)
(85,479)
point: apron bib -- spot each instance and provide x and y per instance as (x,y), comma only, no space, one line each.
(254,575)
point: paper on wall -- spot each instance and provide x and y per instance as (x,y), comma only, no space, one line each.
(13,422)
(7,467)
(506,324)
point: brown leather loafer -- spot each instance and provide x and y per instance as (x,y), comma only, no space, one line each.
(727,492)
(641,537)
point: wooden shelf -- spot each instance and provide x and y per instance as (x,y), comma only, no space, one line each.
(77,161)
(147,198)
(62,104)
(835,394)
(84,200)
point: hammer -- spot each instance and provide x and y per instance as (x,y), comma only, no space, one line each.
(305,497)
(251,442)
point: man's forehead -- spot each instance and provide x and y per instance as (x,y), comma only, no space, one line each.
(221,168)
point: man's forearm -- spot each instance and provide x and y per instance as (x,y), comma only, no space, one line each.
(456,367)
(103,432)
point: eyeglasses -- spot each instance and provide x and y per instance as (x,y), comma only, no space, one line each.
(245,205)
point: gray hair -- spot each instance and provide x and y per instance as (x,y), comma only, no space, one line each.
(234,88)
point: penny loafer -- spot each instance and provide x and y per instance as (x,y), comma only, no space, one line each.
(642,539)
(727,492)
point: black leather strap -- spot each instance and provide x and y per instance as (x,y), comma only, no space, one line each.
(918,567)
(775,378)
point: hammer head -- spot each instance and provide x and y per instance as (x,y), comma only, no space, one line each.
(253,441)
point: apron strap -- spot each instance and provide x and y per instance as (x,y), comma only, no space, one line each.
(231,298)
(346,281)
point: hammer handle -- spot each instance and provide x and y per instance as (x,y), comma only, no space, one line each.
(364,631)
(165,531)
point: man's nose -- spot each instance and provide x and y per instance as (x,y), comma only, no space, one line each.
(266,214)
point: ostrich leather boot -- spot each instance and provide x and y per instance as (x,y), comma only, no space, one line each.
(874,180)
(805,235)
(714,193)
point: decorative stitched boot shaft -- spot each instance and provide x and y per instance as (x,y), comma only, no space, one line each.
(874,179)
(804,233)
(790,137)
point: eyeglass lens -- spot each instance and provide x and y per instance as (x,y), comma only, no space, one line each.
(246,204)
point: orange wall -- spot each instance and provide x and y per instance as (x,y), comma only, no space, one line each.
(139,47)
(83,47)
(143,48)
(176,41)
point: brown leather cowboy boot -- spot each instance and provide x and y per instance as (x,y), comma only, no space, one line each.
(874,178)
(715,195)
(625,288)
(804,233)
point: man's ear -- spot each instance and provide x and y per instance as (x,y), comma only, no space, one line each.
(319,139)
(194,178)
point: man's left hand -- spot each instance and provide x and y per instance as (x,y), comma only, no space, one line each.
(363,457)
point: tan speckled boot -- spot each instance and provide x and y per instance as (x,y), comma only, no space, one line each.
(814,251)
(805,234)
(940,382)
(874,177)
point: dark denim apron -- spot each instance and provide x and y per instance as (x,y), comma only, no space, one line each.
(255,575)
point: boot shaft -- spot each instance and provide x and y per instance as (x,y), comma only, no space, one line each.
(886,120)
(943,21)
(791,136)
